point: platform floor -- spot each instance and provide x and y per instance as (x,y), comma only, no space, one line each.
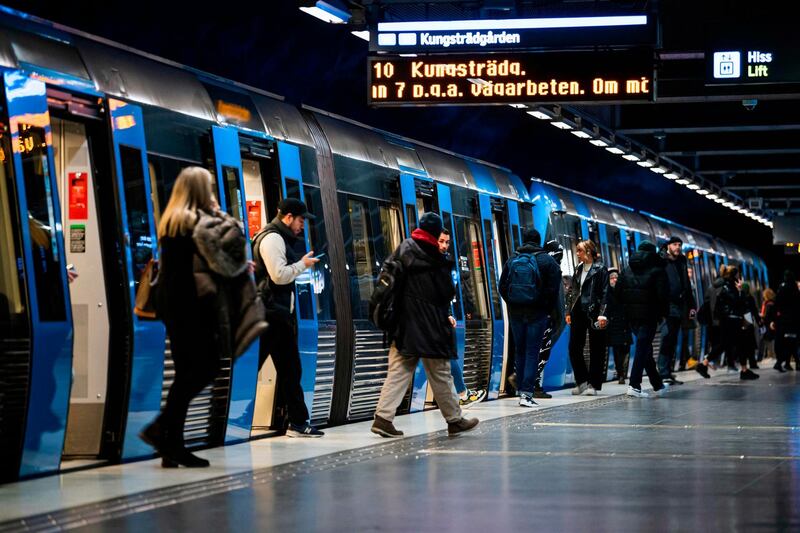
(710,455)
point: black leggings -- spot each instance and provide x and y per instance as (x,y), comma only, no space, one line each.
(197,363)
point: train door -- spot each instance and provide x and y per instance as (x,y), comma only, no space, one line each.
(76,163)
(38,384)
(506,225)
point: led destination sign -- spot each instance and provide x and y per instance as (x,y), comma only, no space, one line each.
(577,77)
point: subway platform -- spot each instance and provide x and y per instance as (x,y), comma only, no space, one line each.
(709,455)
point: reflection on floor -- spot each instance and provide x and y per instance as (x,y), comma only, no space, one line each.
(716,454)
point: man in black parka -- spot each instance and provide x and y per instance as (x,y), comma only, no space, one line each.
(424,332)
(682,306)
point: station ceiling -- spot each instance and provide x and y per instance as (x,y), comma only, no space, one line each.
(742,141)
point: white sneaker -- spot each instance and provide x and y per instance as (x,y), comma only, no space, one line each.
(636,393)
(527,401)
(590,391)
(580,389)
(662,390)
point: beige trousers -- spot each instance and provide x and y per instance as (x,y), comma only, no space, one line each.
(401,371)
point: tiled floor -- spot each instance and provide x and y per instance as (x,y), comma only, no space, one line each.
(738,432)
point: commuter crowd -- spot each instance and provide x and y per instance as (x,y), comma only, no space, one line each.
(215,302)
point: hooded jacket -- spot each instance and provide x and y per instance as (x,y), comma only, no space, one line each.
(592,297)
(643,289)
(206,290)
(424,328)
(550,278)
(731,306)
(711,297)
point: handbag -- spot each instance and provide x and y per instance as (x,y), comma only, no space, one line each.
(145,305)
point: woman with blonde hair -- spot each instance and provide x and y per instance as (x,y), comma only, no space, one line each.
(206,299)
(586,311)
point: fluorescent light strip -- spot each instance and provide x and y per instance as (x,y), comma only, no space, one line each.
(560,124)
(581,134)
(712,196)
(361,34)
(614,150)
(539,115)
(683,181)
(631,157)
(518,106)
(514,24)
(693,186)
(646,163)
(672,176)
(599,142)
(658,170)
(702,192)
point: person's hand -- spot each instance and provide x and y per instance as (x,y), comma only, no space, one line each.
(568,319)
(452,321)
(772,326)
(692,313)
(309,260)
(602,322)
(251,267)
(71,275)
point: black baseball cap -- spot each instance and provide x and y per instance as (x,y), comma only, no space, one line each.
(293,206)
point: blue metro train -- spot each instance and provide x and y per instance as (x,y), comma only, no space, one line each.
(92,137)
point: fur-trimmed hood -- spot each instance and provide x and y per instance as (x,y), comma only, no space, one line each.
(220,240)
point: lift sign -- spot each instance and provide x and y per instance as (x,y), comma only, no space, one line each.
(574,77)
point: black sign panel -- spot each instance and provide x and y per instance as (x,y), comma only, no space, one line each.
(485,79)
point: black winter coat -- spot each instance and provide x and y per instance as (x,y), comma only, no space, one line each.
(643,289)
(681,295)
(424,328)
(731,306)
(618,332)
(711,297)
(550,276)
(592,297)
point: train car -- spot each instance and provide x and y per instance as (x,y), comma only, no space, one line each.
(92,137)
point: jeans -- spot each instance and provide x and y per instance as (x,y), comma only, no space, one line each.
(643,357)
(458,376)
(528,334)
(666,358)
(597,348)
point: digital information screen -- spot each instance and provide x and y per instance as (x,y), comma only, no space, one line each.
(554,77)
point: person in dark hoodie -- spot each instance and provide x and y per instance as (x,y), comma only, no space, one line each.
(714,332)
(206,299)
(787,325)
(425,332)
(618,331)
(682,307)
(529,310)
(731,308)
(643,291)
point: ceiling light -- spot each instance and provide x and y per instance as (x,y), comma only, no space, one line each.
(738,208)
(693,186)
(581,134)
(646,163)
(672,176)
(712,196)
(615,150)
(599,142)
(719,200)
(361,34)
(540,115)
(728,203)
(631,157)
(769,224)
(518,106)
(328,11)
(658,170)
(561,124)
(702,192)
(683,181)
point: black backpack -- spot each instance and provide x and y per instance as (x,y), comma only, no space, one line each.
(385,302)
(262,279)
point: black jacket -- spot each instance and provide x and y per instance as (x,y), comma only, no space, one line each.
(681,296)
(424,328)
(643,289)
(550,276)
(731,306)
(711,297)
(787,304)
(618,332)
(592,298)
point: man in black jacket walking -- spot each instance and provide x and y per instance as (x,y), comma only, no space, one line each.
(424,332)
(529,319)
(682,307)
(643,291)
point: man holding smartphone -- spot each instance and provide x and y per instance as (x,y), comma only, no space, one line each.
(278,265)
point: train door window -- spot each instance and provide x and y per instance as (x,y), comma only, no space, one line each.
(13,320)
(42,221)
(361,248)
(391,228)
(319,243)
(254,196)
(567,230)
(614,247)
(594,236)
(526,216)
(136,207)
(411,217)
(233,194)
(631,243)
(471,265)
(493,276)
(163,174)
(447,221)
(88,292)
(421,210)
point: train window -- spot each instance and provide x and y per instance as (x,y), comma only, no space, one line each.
(42,221)
(319,243)
(254,196)
(411,217)
(614,258)
(362,264)
(308,165)
(631,243)
(391,228)
(12,298)
(470,263)
(421,208)
(493,250)
(292,188)
(567,230)
(526,216)
(163,173)
(233,192)
(136,209)
(447,223)
(177,136)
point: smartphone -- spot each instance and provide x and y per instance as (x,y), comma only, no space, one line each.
(320,256)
